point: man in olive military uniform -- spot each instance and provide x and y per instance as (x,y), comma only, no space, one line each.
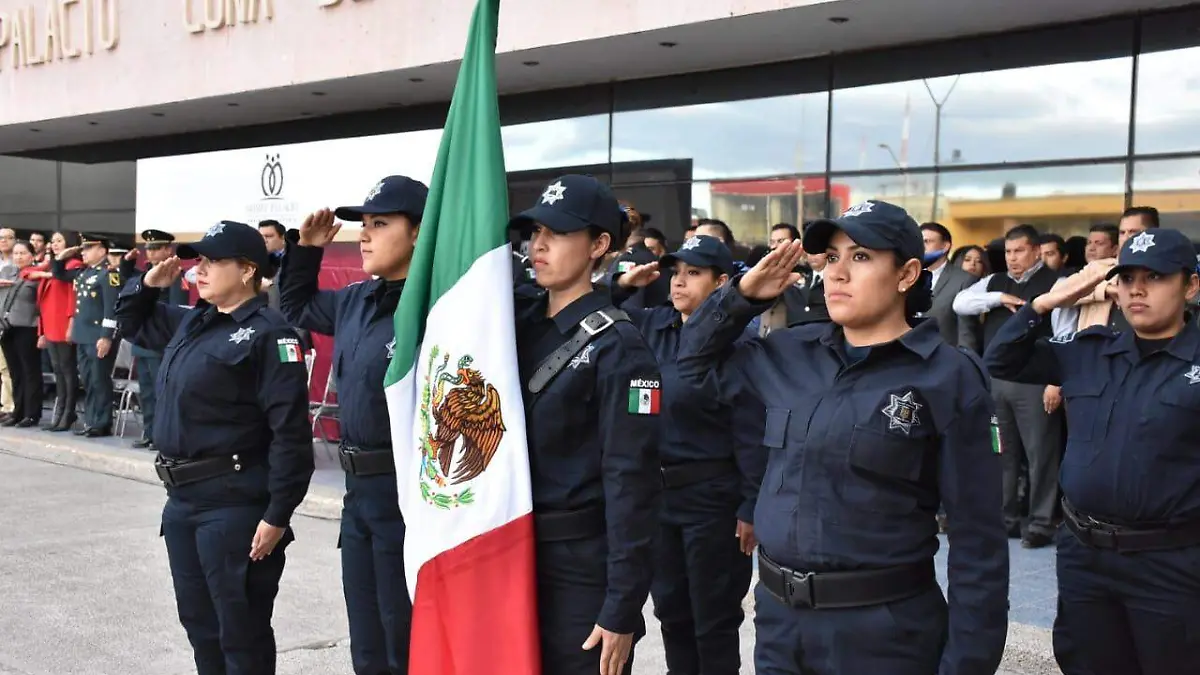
(160,245)
(93,329)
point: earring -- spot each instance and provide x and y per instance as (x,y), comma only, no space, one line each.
(904,289)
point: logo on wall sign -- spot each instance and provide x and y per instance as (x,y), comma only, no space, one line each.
(272,178)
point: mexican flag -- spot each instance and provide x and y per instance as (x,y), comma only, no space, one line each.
(454,396)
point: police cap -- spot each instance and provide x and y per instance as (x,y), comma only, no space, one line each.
(1158,250)
(702,251)
(229,239)
(873,224)
(572,203)
(394,194)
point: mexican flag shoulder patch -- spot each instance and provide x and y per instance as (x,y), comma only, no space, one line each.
(289,350)
(645,395)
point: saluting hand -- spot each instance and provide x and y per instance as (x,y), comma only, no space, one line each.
(266,538)
(163,274)
(614,650)
(133,254)
(1075,287)
(773,274)
(639,276)
(319,229)
(67,253)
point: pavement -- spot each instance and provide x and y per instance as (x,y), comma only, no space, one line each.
(86,590)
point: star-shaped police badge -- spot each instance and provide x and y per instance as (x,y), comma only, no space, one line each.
(690,244)
(215,230)
(391,349)
(858,209)
(902,412)
(554,193)
(1193,375)
(241,335)
(1141,243)
(584,357)
(374,192)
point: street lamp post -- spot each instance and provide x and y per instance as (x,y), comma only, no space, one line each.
(937,141)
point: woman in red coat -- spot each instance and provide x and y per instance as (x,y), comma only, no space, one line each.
(56,306)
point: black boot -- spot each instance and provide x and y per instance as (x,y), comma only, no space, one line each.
(67,421)
(55,417)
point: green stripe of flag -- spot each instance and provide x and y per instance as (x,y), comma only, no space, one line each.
(467,209)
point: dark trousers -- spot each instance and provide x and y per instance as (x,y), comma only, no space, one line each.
(377,601)
(1131,613)
(700,579)
(225,600)
(147,374)
(19,344)
(905,637)
(1027,432)
(96,374)
(66,380)
(572,580)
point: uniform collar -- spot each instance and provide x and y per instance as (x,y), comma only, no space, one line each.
(666,320)
(1183,347)
(922,340)
(568,319)
(242,313)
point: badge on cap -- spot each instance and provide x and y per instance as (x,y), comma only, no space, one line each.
(690,244)
(859,209)
(374,192)
(1141,243)
(554,193)
(215,230)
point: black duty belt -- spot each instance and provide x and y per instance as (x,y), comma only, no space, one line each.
(688,473)
(358,461)
(179,472)
(569,525)
(840,590)
(1097,533)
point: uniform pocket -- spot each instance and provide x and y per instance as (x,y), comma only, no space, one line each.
(775,429)
(1082,400)
(883,470)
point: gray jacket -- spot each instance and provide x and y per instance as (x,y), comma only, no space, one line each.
(18,303)
(957,331)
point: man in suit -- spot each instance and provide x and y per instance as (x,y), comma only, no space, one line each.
(948,280)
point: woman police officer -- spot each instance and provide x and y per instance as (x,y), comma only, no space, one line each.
(591,404)
(872,421)
(360,318)
(234,443)
(712,466)
(1129,570)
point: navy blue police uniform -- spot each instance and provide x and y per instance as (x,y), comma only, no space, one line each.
(96,290)
(592,396)
(148,362)
(712,466)
(360,319)
(654,294)
(1129,570)
(864,443)
(234,448)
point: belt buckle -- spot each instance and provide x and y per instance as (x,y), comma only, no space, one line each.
(164,474)
(608,321)
(797,588)
(346,459)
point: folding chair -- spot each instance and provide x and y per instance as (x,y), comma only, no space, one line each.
(125,388)
(325,409)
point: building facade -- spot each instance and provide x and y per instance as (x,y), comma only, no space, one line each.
(753,111)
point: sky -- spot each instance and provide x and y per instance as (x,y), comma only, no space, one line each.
(1049,112)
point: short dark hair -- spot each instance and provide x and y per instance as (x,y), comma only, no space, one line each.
(1055,239)
(652,233)
(275,225)
(795,233)
(940,229)
(1114,234)
(1148,213)
(1024,232)
(726,233)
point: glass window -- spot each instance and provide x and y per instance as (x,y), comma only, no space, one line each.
(24,223)
(99,186)
(28,185)
(777,136)
(564,143)
(978,206)
(1172,187)
(1168,103)
(1049,112)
